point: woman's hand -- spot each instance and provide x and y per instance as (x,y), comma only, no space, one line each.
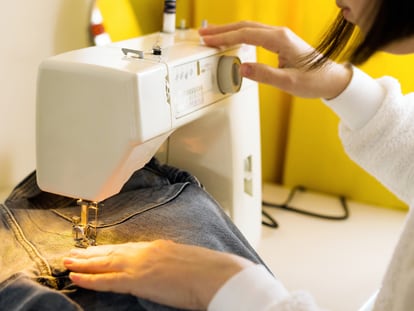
(162,271)
(291,76)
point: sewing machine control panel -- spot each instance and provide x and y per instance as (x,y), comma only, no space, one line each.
(202,82)
(198,75)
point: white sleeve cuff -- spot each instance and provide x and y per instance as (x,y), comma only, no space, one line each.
(253,288)
(359,102)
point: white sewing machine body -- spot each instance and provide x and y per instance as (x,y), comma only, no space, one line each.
(102,114)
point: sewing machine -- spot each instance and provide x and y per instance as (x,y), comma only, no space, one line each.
(105,111)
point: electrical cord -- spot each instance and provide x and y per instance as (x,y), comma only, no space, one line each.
(269,221)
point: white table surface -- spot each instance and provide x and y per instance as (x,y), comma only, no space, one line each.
(340,262)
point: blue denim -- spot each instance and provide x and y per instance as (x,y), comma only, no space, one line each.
(158,202)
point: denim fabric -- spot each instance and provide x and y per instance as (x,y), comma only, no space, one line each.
(158,202)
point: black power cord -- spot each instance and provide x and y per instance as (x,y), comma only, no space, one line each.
(269,221)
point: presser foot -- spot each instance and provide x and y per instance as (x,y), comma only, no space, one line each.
(83,232)
(83,236)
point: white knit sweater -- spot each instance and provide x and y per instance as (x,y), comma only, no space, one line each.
(377,131)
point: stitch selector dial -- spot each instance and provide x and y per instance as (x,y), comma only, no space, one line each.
(228,74)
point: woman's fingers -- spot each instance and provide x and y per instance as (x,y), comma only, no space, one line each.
(216,29)
(99,282)
(103,259)
(253,36)
(100,264)
(161,271)
(283,79)
(91,251)
(103,250)
(328,82)
(280,40)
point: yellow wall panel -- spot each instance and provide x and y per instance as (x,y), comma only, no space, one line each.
(315,157)
(274,104)
(148,14)
(185,11)
(119,19)
(220,12)
(128,18)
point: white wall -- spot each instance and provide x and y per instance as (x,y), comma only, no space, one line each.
(29,32)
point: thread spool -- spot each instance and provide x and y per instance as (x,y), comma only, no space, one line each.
(169,16)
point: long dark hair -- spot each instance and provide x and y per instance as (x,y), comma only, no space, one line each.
(392,20)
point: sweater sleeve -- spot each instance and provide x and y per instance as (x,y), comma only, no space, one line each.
(377,130)
(254,288)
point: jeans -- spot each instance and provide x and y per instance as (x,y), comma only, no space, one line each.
(158,202)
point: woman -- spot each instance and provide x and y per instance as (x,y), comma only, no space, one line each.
(376,129)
